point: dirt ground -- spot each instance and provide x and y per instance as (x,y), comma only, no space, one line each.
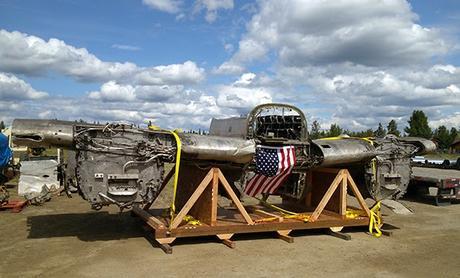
(65,238)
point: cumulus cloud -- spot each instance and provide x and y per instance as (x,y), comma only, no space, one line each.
(25,54)
(169,6)
(365,32)
(114,92)
(13,88)
(211,7)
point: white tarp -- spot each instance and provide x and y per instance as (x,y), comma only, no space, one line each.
(36,174)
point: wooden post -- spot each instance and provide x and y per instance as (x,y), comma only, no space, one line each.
(343,196)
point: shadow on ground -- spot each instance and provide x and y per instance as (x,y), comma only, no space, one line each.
(85,226)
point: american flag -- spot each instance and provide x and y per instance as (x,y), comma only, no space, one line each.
(273,166)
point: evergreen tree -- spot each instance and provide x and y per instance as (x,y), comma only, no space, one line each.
(380,131)
(335,130)
(315,130)
(442,135)
(453,135)
(2,125)
(418,125)
(393,128)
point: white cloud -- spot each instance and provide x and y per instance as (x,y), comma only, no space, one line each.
(243,94)
(452,120)
(13,88)
(365,32)
(114,92)
(25,54)
(211,7)
(169,6)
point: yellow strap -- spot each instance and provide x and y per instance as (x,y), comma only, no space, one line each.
(286,213)
(192,221)
(176,173)
(177,166)
(375,221)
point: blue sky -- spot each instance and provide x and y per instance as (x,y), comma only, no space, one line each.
(180,63)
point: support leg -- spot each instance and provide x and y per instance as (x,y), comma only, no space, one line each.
(284,235)
(339,234)
(225,238)
(164,244)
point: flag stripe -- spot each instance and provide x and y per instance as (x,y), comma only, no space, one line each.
(265,159)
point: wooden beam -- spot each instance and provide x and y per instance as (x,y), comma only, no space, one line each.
(284,235)
(148,218)
(225,238)
(339,235)
(267,214)
(186,208)
(234,198)
(214,195)
(327,196)
(343,196)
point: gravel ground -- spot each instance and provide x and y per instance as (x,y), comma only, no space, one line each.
(64,238)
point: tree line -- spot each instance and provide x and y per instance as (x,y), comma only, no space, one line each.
(417,127)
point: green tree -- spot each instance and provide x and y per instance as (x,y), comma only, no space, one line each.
(442,135)
(453,135)
(393,128)
(315,130)
(380,131)
(418,125)
(2,125)
(335,130)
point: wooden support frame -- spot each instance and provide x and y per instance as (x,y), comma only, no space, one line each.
(211,180)
(201,203)
(341,181)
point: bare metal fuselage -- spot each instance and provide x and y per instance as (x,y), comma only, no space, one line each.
(122,164)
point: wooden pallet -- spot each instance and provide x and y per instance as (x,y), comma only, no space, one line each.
(328,211)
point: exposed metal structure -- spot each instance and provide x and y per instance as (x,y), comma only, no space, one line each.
(122,164)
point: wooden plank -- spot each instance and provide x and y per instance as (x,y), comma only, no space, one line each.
(199,190)
(214,196)
(265,213)
(148,218)
(284,235)
(339,235)
(343,196)
(322,204)
(358,195)
(266,227)
(225,238)
(163,184)
(205,208)
(234,198)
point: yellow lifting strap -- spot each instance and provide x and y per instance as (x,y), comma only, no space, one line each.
(286,213)
(177,166)
(375,221)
